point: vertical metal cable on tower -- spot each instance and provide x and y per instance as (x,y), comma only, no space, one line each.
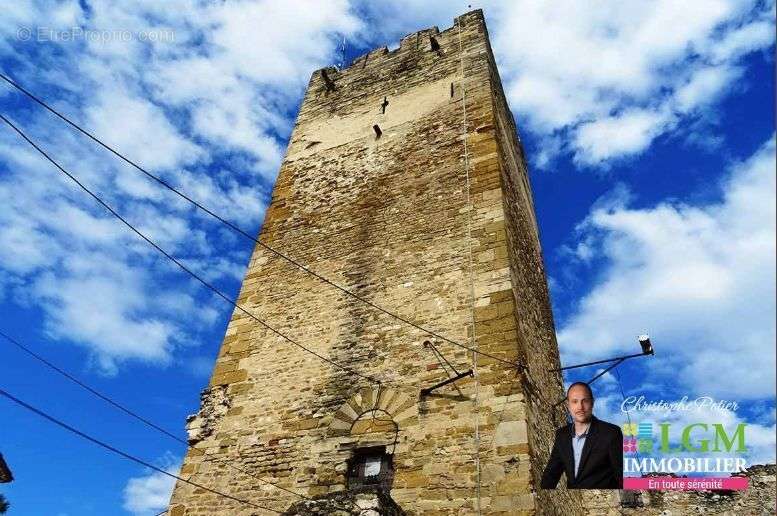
(473,344)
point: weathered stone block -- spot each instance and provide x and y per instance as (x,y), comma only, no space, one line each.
(229,377)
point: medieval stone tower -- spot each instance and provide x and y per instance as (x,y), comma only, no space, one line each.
(404,183)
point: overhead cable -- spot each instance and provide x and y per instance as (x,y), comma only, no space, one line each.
(126,455)
(183,267)
(129,412)
(243,233)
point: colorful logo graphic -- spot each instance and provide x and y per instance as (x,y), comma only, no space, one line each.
(649,452)
(639,438)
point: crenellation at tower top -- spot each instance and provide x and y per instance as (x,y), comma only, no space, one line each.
(416,43)
(395,70)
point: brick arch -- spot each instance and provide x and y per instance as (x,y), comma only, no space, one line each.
(385,402)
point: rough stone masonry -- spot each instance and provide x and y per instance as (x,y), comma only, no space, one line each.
(404,182)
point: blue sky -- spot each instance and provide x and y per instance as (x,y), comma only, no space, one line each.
(650,132)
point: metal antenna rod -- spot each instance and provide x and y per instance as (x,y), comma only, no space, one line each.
(600,362)
(644,342)
(592,380)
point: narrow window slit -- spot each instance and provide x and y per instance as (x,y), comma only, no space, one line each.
(451,90)
(383,105)
(377,130)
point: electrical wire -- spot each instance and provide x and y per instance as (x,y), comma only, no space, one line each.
(441,356)
(628,414)
(183,267)
(243,233)
(130,412)
(476,396)
(126,455)
(86,387)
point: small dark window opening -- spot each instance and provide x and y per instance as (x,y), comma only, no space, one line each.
(435,44)
(371,467)
(451,90)
(328,83)
(383,105)
(377,130)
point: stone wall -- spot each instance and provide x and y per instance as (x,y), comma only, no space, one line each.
(760,499)
(347,503)
(403,182)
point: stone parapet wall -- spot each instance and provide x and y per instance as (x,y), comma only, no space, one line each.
(760,499)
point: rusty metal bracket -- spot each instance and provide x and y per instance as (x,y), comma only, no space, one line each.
(428,390)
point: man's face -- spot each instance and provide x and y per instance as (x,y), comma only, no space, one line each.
(580,404)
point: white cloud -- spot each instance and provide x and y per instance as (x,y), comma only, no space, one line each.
(141,130)
(574,70)
(616,78)
(745,39)
(759,435)
(293,37)
(96,283)
(626,133)
(106,310)
(24,247)
(705,86)
(207,108)
(700,280)
(150,493)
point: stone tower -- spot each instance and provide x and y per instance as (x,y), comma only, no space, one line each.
(404,182)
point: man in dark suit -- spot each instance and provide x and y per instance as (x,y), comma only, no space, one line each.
(588,451)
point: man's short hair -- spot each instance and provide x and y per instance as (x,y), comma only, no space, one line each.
(581,384)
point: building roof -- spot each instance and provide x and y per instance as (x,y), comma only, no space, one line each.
(5,471)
